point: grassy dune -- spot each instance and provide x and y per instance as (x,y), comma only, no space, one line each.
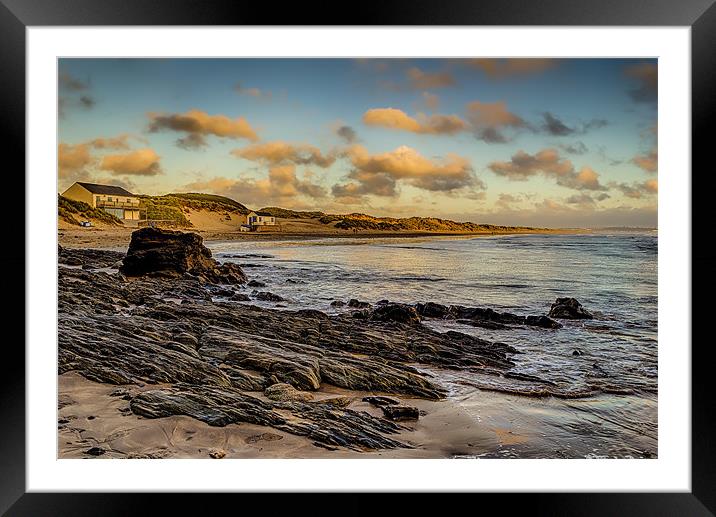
(73,212)
(368,222)
(180,209)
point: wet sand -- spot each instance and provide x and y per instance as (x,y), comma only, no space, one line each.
(90,417)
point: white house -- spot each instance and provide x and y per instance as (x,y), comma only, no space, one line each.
(260,219)
(114,200)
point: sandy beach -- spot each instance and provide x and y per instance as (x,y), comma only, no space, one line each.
(90,416)
(213,227)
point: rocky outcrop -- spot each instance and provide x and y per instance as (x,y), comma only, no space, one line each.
(89,258)
(214,359)
(380,401)
(400,413)
(357,304)
(397,312)
(167,253)
(433,310)
(221,406)
(569,309)
(483,317)
(266,296)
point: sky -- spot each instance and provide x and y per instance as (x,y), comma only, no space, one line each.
(541,142)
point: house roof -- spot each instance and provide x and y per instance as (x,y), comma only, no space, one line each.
(105,189)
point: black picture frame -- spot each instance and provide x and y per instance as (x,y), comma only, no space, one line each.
(700,15)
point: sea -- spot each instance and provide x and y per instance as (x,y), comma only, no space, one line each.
(602,374)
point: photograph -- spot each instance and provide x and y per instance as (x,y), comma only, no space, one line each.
(346,258)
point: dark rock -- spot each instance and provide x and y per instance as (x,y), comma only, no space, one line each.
(223,292)
(482,317)
(542,321)
(95,451)
(487,324)
(569,309)
(245,380)
(337,303)
(432,310)
(486,314)
(71,261)
(256,283)
(380,401)
(400,413)
(240,297)
(312,313)
(356,304)
(188,339)
(182,348)
(167,253)
(266,296)
(89,257)
(396,312)
(223,406)
(576,351)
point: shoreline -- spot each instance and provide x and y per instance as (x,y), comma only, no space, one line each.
(114,238)
(193,354)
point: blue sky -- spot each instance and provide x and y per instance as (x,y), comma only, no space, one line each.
(542,142)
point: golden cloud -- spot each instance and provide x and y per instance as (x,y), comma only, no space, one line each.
(199,124)
(142,162)
(393,118)
(492,114)
(489,119)
(72,159)
(638,190)
(118,142)
(547,162)
(378,173)
(648,162)
(279,152)
(651,186)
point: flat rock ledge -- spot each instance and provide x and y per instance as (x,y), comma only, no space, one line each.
(218,361)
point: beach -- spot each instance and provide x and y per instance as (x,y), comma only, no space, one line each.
(212,226)
(486,382)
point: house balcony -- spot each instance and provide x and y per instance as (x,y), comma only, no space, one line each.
(116,204)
